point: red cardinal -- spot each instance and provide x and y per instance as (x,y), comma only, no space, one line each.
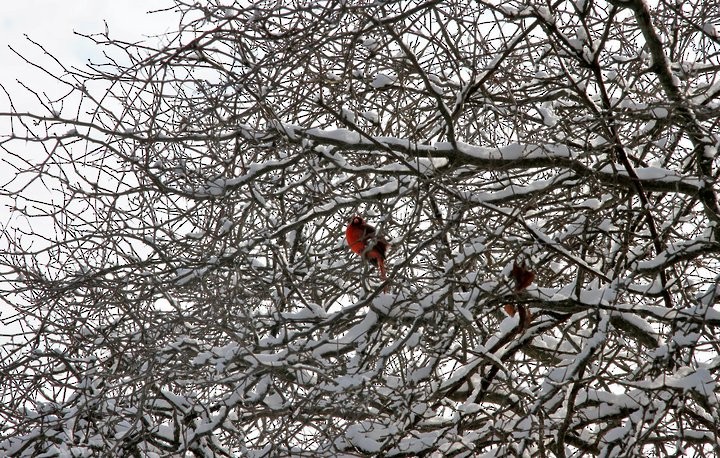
(523,278)
(522,275)
(362,240)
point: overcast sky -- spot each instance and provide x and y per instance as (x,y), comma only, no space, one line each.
(53,23)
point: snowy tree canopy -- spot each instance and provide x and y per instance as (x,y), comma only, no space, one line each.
(175,279)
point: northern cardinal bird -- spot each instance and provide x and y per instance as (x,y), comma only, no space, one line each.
(522,275)
(362,240)
(523,278)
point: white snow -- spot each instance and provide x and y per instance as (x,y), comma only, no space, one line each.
(548,116)
(371,115)
(592,204)
(656,174)
(701,243)
(367,436)
(336,135)
(606,225)
(371,44)
(711,29)
(512,151)
(347,114)
(382,80)
(660,112)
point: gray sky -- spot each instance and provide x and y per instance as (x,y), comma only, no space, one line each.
(53,23)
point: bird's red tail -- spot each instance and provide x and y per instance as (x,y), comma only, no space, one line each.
(383,276)
(363,240)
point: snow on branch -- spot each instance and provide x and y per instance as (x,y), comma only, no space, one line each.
(512,156)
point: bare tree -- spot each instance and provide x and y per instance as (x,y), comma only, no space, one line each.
(545,172)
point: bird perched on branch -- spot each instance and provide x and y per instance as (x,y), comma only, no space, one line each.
(363,240)
(523,278)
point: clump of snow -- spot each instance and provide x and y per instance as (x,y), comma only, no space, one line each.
(367,436)
(545,14)
(606,225)
(371,44)
(332,77)
(347,115)
(382,80)
(660,112)
(383,303)
(592,204)
(711,29)
(688,379)
(196,234)
(371,115)
(548,116)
